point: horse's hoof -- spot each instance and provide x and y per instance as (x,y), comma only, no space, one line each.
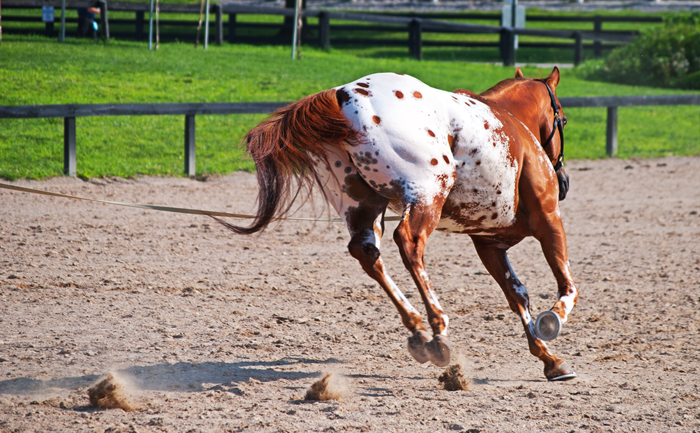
(416,346)
(548,325)
(439,350)
(561,371)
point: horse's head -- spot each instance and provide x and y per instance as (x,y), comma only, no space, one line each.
(551,121)
(534,102)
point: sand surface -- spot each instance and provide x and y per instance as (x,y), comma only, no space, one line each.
(210,331)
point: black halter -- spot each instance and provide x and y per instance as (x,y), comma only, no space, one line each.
(556,126)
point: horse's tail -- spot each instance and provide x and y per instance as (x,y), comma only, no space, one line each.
(284,148)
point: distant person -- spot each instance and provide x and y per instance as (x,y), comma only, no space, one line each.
(87,27)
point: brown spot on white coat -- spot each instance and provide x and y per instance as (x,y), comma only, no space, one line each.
(362,92)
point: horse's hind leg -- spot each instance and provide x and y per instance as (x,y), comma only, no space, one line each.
(418,222)
(496,262)
(363,209)
(365,222)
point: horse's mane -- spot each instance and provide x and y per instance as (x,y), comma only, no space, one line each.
(504,85)
(501,86)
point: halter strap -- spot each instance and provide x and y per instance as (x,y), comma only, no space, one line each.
(556,126)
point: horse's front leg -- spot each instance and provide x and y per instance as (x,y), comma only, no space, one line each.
(550,233)
(494,257)
(538,194)
(417,223)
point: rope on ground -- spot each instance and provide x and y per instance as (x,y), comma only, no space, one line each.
(169,208)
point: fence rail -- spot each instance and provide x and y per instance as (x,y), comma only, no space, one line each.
(414,24)
(69,112)
(629,101)
(88,110)
(612,102)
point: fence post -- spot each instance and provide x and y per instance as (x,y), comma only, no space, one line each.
(508,46)
(139,25)
(611,132)
(219,24)
(48,32)
(597,45)
(231,28)
(104,19)
(62,33)
(69,164)
(189,145)
(150,27)
(415,38)
(324,30)
(207,10)
(578,49)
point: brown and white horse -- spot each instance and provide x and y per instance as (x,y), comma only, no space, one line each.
(454,162)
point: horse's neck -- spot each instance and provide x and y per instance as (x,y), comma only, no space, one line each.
(518,101)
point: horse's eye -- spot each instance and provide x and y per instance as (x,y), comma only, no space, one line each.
(564,121)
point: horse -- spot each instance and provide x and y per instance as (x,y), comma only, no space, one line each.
(488,166)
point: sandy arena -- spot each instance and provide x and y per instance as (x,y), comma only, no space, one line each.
(215,332)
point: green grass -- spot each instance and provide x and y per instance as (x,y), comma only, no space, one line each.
(34,71)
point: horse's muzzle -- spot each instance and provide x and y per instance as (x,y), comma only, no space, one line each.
(563,179)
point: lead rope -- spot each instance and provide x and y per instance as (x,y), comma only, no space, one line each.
(169,208)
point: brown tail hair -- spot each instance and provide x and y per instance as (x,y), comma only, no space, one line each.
(284,147)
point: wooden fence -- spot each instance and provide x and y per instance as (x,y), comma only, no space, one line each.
(414,24)
(69,112)
(612,102)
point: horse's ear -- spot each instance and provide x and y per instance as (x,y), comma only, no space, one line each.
(518,73)
(553,79)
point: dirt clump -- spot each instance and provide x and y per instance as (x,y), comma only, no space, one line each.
(453,379)
(330,387)
(110,393)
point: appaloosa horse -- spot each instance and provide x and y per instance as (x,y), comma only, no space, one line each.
(457,162)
